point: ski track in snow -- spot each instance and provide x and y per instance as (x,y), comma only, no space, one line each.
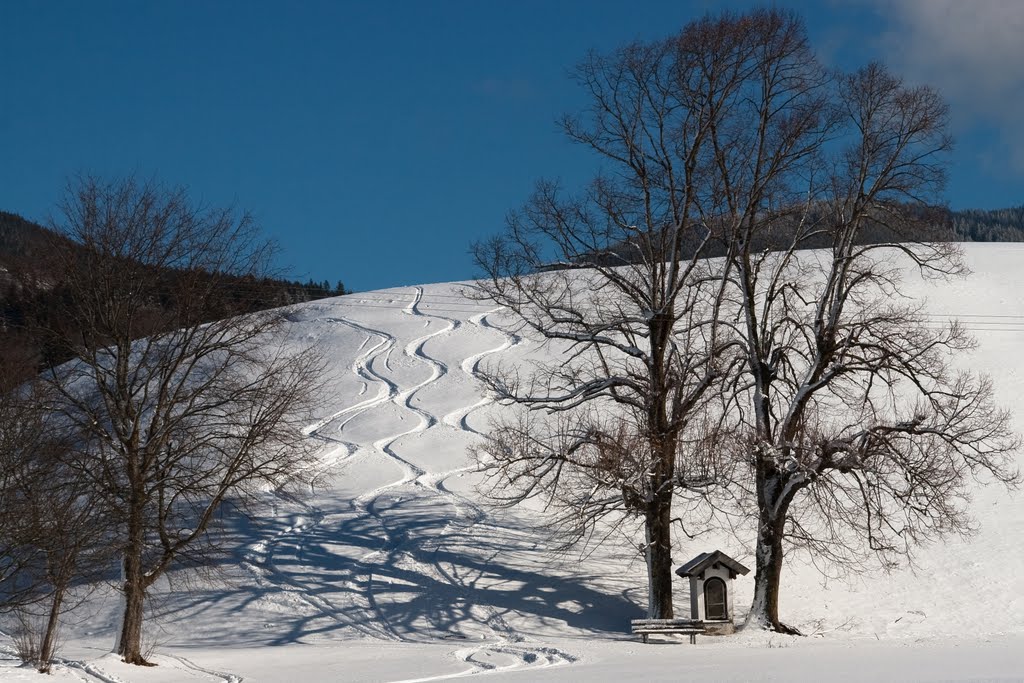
(360,612)
(77,668)
(459,418)
(219,675)
(92,670)
(471,366)
(361,367)
(393,548)
(260,559)
(507,651)
(521,657)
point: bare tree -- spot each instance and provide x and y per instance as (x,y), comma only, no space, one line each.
(860,427)
(178,408)
(51,532)
(70,541)
(21,439)
(701,133)
(614,280)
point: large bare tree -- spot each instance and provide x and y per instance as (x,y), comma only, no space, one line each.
(861,428)
(178,408)
(613,279)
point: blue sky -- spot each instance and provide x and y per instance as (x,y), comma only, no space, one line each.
(376,140)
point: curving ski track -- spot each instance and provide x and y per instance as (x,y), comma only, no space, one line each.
(396,547)
(481,661)
(192,666)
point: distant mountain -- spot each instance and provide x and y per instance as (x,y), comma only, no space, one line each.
(30,293)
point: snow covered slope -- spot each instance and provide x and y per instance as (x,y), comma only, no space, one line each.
(393,566)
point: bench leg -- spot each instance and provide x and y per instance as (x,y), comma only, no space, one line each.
(644,636)
(693,639)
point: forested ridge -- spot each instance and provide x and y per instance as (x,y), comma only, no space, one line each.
(32,292)
(989,225)
(966,225)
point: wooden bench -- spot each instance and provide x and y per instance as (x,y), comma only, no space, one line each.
(690,627)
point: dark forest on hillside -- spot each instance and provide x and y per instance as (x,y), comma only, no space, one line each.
(969,225)
(32,294)
(995,225)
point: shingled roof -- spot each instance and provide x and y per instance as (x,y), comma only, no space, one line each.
(698,564)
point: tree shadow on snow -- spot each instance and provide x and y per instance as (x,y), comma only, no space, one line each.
(403,569)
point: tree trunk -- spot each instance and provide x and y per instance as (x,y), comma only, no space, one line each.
(658,553)
(134,589)
(764,610)
(658,512)
(49,645)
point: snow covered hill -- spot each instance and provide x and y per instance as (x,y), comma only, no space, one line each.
(393,567)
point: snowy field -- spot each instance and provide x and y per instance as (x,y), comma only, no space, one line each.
(392,567)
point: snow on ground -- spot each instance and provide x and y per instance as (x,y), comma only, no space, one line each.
(394,567)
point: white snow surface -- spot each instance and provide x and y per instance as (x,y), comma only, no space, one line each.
(394,567)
